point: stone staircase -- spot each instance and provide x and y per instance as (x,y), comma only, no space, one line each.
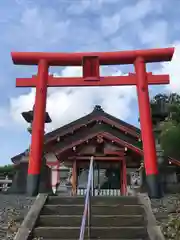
(112,218)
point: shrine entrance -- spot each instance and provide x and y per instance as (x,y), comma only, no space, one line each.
(91,63)
(109,178)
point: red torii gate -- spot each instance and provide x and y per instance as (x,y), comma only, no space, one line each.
(91,77)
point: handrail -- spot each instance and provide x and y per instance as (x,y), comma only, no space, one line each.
(87,205)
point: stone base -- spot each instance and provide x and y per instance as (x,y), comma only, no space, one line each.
(153,186)
(19,181)
(45,179)
(31,184)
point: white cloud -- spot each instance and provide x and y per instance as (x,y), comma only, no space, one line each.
(111,24)
(38,28)
(80,7)
(139,10)
(128,14)
(155,35)
(172,68)
(20,104)
(67,104)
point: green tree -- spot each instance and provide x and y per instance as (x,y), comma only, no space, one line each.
(170,139)
(168,106)
(7,169)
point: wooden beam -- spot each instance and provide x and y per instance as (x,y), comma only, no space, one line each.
(105,58)
(105,119)
(106,135)
(103,81)
(97,158)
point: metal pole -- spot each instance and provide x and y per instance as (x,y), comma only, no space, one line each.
(92,180)
(89,217)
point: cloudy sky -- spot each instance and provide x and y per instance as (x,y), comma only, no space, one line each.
(79,25)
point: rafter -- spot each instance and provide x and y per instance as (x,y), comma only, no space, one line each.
(106,135)
(85,122)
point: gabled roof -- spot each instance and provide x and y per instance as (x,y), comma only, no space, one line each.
(100,129)
(120,128)
(96,115)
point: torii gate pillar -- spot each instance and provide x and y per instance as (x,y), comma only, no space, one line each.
(151,166)
(37,139)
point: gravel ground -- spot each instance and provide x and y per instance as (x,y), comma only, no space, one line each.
(167,212)
(13,209)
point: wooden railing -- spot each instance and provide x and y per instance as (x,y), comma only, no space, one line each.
(100,192)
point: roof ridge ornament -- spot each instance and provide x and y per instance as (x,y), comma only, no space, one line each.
(98,108)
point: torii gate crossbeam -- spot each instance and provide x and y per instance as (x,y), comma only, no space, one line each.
(91,77)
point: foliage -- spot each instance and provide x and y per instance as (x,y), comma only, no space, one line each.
(169,103)
(170,138)
(171,229)
(139,144)
(7,169)
(170,126)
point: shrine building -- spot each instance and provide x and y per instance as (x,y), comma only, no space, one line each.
(116,147)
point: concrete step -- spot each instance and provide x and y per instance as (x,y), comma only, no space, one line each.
(96,220)
(94,200)
(96,232)
(95,238)
(115,209)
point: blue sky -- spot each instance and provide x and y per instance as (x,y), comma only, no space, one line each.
(79,25)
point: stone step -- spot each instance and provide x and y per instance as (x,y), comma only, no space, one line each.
(115,209)
(94,238)
(96,232)
(94,200)
(96,220)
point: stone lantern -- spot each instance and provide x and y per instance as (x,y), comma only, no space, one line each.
(28,116)
(159,110)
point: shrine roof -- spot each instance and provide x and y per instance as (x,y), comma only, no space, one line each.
(104,130)
(96,114)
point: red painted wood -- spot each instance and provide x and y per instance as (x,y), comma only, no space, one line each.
(124,176)
(105,135)
(98,118)
(91,68)
(97,158)
(150,160)
(39,119)
(74,178)
(103,81)
(105,58)
(174,161)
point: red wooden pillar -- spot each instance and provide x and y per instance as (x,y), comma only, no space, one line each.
(150,159)
(37,138)
(123,176)
(74,178)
